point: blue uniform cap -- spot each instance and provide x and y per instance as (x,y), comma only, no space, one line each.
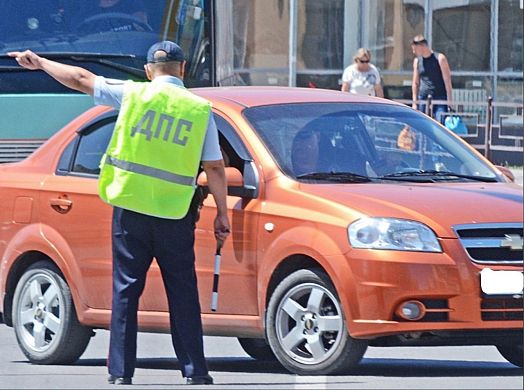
(172,50)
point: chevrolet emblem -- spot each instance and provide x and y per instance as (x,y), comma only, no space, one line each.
(512,241)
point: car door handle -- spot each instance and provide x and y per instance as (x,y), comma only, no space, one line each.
(61,205)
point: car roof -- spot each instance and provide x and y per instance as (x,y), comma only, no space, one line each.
(251,96)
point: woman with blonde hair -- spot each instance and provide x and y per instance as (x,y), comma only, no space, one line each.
(362,77)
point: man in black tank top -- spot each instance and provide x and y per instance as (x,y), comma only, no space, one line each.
(431,76)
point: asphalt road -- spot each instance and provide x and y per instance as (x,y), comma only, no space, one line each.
(381,368)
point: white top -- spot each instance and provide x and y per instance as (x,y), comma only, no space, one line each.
(362,83)
(109,92)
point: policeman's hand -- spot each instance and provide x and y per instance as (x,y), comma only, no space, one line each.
(26,59)
(222,228)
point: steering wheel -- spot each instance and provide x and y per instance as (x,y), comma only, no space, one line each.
(111,21)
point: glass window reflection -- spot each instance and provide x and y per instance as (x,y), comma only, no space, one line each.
(319,20)
(260,51)
(510,36)
(395,23)
(462,32)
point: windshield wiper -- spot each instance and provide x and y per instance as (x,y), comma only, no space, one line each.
(432,174)
(342,177)
(100,58)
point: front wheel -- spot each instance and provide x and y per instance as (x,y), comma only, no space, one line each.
(306,326)
(257,348)
(513,353)
(44,317)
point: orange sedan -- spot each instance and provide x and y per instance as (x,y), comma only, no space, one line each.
(356,221)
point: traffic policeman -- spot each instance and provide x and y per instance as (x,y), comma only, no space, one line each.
(162,135)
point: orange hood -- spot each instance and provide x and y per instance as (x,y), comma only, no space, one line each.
(440,206)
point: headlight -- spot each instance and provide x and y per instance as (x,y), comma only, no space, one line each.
(392,234)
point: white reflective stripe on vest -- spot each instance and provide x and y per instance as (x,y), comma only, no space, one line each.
(150,171)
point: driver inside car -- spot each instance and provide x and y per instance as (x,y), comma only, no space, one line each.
(312,151)
(305,152)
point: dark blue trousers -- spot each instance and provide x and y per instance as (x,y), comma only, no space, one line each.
(438,110)
(137,238)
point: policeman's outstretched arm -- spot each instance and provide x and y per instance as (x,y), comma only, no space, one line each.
(217,184)
(73,77)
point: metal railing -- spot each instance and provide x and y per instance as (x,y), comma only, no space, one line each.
(493,127)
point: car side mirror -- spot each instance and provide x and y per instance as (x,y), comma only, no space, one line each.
(235,183)
(506,172)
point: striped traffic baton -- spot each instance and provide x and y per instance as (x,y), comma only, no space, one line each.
(214,295)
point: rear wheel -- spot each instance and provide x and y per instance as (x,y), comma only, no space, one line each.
(513,353)
(258,349)
(306,326)
(44,317)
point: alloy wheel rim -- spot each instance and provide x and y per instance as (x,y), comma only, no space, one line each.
(40,312)
(309,323)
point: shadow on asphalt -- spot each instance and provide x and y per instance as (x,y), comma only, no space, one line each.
(367,367)
(433,368)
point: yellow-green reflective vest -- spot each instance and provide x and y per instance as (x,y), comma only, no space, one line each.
(152,160)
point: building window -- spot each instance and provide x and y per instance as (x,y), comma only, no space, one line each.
(462,33)
(391,25)
(261,54)
(320,43)
(397,86)
(510,36)
(510,90)
(320,34)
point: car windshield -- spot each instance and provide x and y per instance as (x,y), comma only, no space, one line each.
(109,37)
(349,142)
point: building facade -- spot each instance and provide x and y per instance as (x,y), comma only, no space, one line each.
(308,43)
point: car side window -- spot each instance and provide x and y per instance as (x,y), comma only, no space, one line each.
(232,148)
(91,147)
(83,154)
(236,155)
(65,159)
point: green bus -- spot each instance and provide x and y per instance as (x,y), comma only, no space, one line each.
(108,40)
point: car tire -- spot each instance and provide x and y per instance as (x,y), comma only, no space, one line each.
(44,317)
(513,353)
(306,326)
(258,349)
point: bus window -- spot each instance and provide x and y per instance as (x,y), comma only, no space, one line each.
(108,37)
(110,41)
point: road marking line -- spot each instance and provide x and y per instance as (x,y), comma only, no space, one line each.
(310,382)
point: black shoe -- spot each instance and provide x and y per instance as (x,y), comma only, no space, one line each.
(199,380)
(116,380)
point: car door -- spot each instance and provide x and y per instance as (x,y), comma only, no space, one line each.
(74,211)
(237,290)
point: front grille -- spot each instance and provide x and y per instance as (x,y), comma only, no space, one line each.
(495,254)
(492,243)
(502,309)
(437,310)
